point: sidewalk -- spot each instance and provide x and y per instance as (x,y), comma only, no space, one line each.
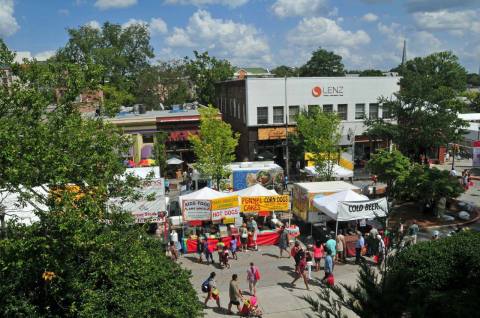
(277,298)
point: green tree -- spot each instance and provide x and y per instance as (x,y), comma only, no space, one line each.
(160,151)
(283,70)
(215,145)
(114,98)
(473,79)
(430,279)
(165,83)
(204,71)
(319,134)
(426,106)
(389,166)
(376,73)
(6,56)
(323,63)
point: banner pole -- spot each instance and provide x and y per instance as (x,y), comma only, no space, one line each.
(336,228)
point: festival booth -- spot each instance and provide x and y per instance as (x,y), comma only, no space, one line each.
(259,201)
(207,212)
(338,172)
(346,206)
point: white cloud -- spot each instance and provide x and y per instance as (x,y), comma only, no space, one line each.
(199,3)
(319,31)
(8,23)
(158,26)
(290,8)
(155,26)
(370,17)
(466,20)
(94,24)
(112,4)
(41,56)
(238,42)
(435,5)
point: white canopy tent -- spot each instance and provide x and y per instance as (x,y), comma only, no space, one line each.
(257,190)
(21,211)
(349,206)
(338,172)
(203,194)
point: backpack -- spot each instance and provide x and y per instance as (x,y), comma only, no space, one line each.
(298,257)
(206,286)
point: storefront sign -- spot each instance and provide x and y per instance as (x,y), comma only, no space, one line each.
(147,217)
(266,203)
(225,203)
(362,210)
(274,133)
(197,210)
(328,90)
(225,213)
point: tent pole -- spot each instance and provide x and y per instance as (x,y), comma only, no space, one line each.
(336,228)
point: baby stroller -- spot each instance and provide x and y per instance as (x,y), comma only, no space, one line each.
(250,308)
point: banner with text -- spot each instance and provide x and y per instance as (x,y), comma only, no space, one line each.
(266,203)
(225,213)
(356,210)
(197,210)
(226,207)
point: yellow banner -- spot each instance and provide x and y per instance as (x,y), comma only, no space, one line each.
(267,203)
(225,203)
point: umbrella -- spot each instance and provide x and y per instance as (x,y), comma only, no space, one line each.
(143,163)
(174,161)
(151,162)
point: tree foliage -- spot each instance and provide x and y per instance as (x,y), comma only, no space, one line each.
(285,71)
(204,71)
(323,63)
(473,79)
(319,134)
(81,259)
(160,151)
(389,166)
(430,279)
(215,145)
(376,73)
(427,105)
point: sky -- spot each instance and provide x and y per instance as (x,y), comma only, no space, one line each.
(260,33)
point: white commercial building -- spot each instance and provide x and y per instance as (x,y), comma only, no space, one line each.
(255,107)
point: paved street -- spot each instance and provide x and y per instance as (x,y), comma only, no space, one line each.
(277,298)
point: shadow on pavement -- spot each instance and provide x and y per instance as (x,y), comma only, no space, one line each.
(286,268)
(286,286)
(271,255)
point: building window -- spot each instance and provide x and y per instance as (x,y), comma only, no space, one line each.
(359,111)
(373,111)
(328,108)
(386,113)
(147,139)
(262,115)
(313,108)
(293,113)
(343,111)
(278,116)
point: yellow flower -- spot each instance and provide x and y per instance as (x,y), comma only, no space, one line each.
(48,276)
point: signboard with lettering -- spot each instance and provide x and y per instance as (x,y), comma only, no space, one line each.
(274,133)
(266,203)
(225,213)
(476,154)
(225,202)
(349,211)
(327,90)
(197,210)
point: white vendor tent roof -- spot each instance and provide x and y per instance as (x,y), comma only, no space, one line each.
(21,212)
(256,190)
(158,204)
(143,172)
(174,161)
(328,204)
(203,194)
(338,172)
(327,186)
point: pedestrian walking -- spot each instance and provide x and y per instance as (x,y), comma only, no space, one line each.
(300,268)
(208,252)
(341,247)
(167,185)
(359,245)
(294,251)
(381,250)
(210,287)
(331,245)
(244,236)
(309,259)
(413,231)
(283,241)
(173,251)
(200,247)
(235,294)
(253,276)
(233,247)
(252,227)
(318,253)
(328,265)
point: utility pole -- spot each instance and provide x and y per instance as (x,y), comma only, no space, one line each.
(287,164)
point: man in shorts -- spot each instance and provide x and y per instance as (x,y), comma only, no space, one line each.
(235,294)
